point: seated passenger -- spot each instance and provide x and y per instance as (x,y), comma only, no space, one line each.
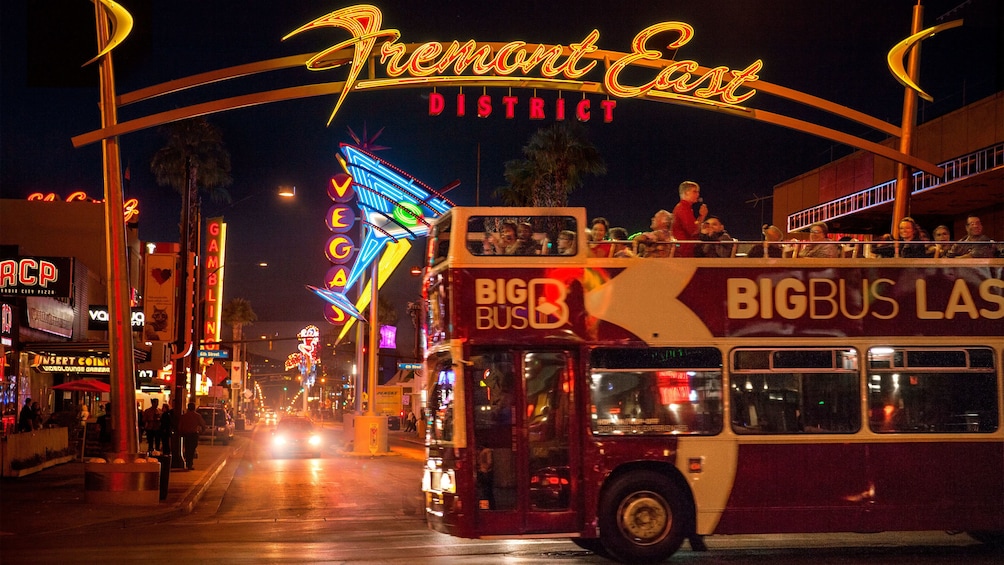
(909,242)
(819,244)
(619,246)
(771,234)
(658,241)
(525,244)
(975,244)
(505,244)
(939,248)
(566,242)
(713,230)
(488,245)
(598,233)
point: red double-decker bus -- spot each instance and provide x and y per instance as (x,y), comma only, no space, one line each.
(631,403)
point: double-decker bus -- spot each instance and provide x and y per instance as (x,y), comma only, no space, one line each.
(631,403)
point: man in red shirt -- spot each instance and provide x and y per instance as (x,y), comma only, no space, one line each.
(685,225)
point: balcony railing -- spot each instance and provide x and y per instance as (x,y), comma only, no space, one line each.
(959,168)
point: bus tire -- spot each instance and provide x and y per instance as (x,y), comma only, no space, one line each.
(643,518)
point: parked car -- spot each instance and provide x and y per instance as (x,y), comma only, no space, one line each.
(219,424)
(295,435)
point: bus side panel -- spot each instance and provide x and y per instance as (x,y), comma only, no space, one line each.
(796,487)
(955,485)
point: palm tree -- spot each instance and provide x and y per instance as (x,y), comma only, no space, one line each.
(238,313)
(194,150)
(194,157)
(386,313)
(557,159)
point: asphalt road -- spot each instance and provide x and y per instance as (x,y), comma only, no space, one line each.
(349,509)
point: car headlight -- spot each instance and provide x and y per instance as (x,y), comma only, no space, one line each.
(314,440)
(279,440)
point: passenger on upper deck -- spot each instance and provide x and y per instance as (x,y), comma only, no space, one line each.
(506,242)
(909,241)
(819,244)
(770,235)
(941,233)
(657,242)
(975,244)
(566,242)
(620,249)
(598,232)
(525,244)
(714,231)
(685,225)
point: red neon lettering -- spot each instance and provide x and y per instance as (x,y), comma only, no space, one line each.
(582,110)
(510,106)
(8,273)
(484,106)
(461,105)
(536,108)
(436,104)
(559,110)
(608,110)
(24,275)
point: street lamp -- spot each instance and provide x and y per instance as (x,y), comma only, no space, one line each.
(287,191)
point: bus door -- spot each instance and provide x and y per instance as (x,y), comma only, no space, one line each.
(526,474)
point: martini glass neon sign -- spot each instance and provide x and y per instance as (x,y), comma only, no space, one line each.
(393,205)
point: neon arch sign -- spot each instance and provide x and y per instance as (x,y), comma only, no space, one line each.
(490,64)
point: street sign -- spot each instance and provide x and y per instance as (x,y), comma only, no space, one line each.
(409,366)
(214,353)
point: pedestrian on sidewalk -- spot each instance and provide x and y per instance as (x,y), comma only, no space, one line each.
(151,425)
(105,427)
(189,427)
(25,422)
(166,427)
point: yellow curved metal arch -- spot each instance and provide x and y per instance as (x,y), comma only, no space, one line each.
(121,27)
(335,59)
(896,54)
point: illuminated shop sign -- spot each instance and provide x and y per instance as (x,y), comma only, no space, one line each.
(394,207)
(216,247)
(36,276)
(71,364)
(130,207)
(97,318)
(6,325)
(480,64)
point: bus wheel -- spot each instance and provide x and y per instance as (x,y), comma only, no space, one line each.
(643,518)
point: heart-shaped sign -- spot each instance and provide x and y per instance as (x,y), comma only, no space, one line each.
(161,275)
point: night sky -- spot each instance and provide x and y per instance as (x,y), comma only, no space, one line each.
(833,49)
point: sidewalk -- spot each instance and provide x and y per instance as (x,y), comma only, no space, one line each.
(54,500)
